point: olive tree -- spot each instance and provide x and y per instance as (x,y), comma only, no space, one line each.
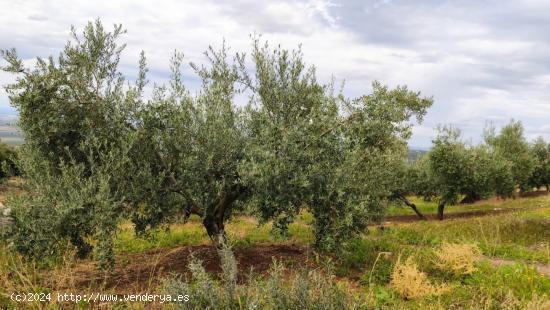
(310,148)
(76,118)
(411,179)
(541,172)
(487,173)
(448,160)
(454,170)
(98,151)
(511,145)
(189,149)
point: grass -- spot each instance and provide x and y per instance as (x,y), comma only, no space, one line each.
(242,232)
(192,233)
(522,235)
(439,258)
(430,207)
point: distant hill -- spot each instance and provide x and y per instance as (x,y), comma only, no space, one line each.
(9,132)
(415,154)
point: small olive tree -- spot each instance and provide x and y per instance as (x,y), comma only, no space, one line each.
(97,151)
(448,160)
(77,120)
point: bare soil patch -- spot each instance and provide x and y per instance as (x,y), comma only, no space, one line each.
(142,272)
(541,268)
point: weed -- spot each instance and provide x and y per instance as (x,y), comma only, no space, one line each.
(412,283)
(522,280)
(459,259)
(313,289)
(381,270)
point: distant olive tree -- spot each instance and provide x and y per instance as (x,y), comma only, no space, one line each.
(511,145)
(541,172)
(448,161)
(486,174)
(411,179)
(97,151)
(453,170)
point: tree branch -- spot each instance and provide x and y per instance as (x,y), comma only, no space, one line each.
(412,205)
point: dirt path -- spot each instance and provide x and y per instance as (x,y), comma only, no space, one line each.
(454,215)
(541,268)
(494,201)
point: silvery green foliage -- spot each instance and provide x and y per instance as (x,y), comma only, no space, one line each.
(541,173)
(75,115)
(310,148)
(510,144)
(452,169)
(65,102)
(487,174)
(420,180)
(314,289)
(8,161)
(97,151)
(295,145)
(70,206)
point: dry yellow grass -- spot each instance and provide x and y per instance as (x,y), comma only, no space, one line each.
(460,259)
(411,283)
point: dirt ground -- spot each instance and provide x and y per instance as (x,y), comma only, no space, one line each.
(141,272)
(495,201)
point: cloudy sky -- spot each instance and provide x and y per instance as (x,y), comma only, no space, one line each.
(482,61)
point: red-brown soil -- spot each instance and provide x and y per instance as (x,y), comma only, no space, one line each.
(141,272)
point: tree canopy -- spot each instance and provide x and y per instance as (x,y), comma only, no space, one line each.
(541,172)
(510,144)
(98,150)
(452,170)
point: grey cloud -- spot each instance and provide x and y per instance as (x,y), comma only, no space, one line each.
(481,60)
(275,17)
(38,17)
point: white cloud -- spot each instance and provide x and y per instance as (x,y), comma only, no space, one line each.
(480,61)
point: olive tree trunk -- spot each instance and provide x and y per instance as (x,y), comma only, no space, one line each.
(440,209)
(412,206)
(217,213)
